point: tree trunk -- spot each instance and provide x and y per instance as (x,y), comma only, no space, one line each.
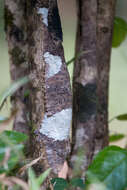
(51,93)
(105,21)
(90,81)
(85,84)
(15,27)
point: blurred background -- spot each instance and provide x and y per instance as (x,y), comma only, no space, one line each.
(118,73)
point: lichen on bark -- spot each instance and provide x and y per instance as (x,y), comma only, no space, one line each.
(51,93)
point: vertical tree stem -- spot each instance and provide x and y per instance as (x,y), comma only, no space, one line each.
(51,93)
(105,20)
(91,79)
(85,84)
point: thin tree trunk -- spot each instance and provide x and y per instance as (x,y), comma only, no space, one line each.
(51,93)
(15,27)
(91,77)
(105,20)
(85,84)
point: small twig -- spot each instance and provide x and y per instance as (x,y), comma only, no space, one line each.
(20,182)
(33,162)
(5,123)
(112,119)
(6,158)
(11,181)
(78,55)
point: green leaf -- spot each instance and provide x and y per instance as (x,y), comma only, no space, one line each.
(77,182)
(109,168)
(116,137)
(14,136)
(43,176)
(10,145)
(14,157)
(120,31)
(122,117)
(26,93)
(59,183)
(12,89)
(33,185)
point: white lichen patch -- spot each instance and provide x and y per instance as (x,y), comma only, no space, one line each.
(44,13)
(58,125)
(54,64)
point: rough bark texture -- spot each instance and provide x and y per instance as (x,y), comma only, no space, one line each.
(91,76)
(15,27)
(85,83)
(105,20)
(51,93)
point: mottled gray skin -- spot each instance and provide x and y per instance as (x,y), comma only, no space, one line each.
(90,81)
(50,93)
(16,35)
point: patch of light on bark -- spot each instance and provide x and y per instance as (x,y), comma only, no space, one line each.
(54,64)
(44,13)
(58,125)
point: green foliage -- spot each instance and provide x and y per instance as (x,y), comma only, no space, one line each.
(77,182)
(122,117)
(36,182)
(10,150)
(43,176)
(12,89)
(116,137)
(59,183)
(110,168)
(14,137)
(120,31)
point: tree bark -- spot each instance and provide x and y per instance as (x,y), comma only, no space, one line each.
(15,27)
(105,21)
(85,84)
(91,77)
(51,93)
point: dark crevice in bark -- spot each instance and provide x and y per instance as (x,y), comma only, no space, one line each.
(54,23)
